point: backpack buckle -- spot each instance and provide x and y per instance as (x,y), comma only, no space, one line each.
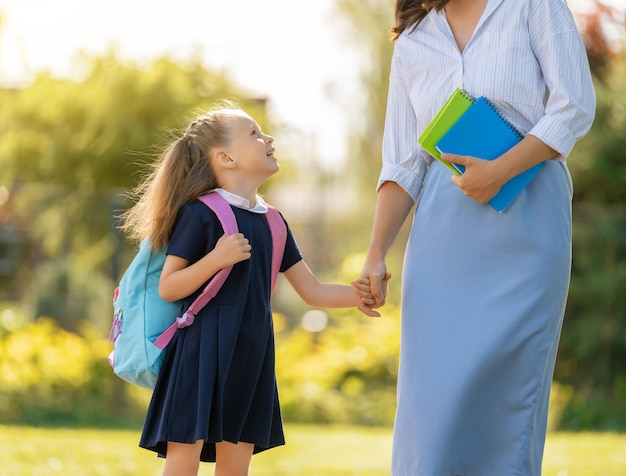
(185,321)
(116,328)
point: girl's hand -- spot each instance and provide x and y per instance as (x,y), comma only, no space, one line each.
(481,180)
(364,291)
(365,302)
(232,249)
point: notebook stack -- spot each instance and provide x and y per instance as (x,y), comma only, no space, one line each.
(473,127)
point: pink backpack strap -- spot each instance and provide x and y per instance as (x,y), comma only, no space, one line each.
(279,239)
(226,216)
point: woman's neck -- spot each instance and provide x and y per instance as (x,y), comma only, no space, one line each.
(463,17)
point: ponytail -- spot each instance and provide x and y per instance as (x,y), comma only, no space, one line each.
(181,174)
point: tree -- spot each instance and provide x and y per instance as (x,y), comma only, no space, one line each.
(592,355)
(598,26)
(369,22)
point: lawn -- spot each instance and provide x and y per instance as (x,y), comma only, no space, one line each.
(310,451)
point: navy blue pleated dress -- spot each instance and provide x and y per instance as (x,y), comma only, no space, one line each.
(218,381)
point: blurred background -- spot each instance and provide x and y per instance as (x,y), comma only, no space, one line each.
(90,92)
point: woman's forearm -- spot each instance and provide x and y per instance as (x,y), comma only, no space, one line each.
(483,179)
(392,207)
(526,154)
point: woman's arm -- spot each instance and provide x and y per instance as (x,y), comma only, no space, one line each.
(179,279)
(392,207)
(483,179)
(318,294)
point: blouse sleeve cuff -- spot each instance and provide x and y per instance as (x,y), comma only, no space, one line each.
(554,134)
(410,180)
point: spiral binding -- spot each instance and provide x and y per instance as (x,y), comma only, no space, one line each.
(508,124)
(467,95)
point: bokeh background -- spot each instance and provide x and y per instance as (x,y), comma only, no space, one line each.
(89,92)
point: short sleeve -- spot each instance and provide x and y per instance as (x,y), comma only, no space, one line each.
(291,254)
(188,240)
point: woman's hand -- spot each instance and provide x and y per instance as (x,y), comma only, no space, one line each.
(375,272)
(231,249)
(481,180)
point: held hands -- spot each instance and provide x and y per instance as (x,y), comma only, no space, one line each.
(369,297)
(481,180)
(232,249)
(365,301)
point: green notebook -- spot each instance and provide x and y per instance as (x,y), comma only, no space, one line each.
(452,110)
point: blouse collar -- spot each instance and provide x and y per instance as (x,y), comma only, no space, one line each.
(238,201)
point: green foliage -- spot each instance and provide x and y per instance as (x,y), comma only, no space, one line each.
(369,23)
(79,134)
(344,374)
(592,355)
(49,376)
(71,294)
(597,163)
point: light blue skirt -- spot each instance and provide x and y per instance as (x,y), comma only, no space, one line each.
(483,302)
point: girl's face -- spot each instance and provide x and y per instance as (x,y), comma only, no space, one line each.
(251,149)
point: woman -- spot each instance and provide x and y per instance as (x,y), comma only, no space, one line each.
(483,292)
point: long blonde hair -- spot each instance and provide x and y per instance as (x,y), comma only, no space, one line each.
(409,13)
(181,174)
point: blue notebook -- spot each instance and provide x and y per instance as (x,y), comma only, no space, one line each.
(482,132)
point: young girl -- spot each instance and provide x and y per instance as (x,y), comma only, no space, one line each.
(216,398)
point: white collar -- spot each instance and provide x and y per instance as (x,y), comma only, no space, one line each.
(238,201)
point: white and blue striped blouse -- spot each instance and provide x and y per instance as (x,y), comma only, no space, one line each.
(526,57)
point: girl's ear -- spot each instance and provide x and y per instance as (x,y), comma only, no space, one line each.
(223,159)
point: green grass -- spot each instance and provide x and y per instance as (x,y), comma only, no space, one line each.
(310,451)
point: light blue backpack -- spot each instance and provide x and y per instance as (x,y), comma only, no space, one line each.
(143,323)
